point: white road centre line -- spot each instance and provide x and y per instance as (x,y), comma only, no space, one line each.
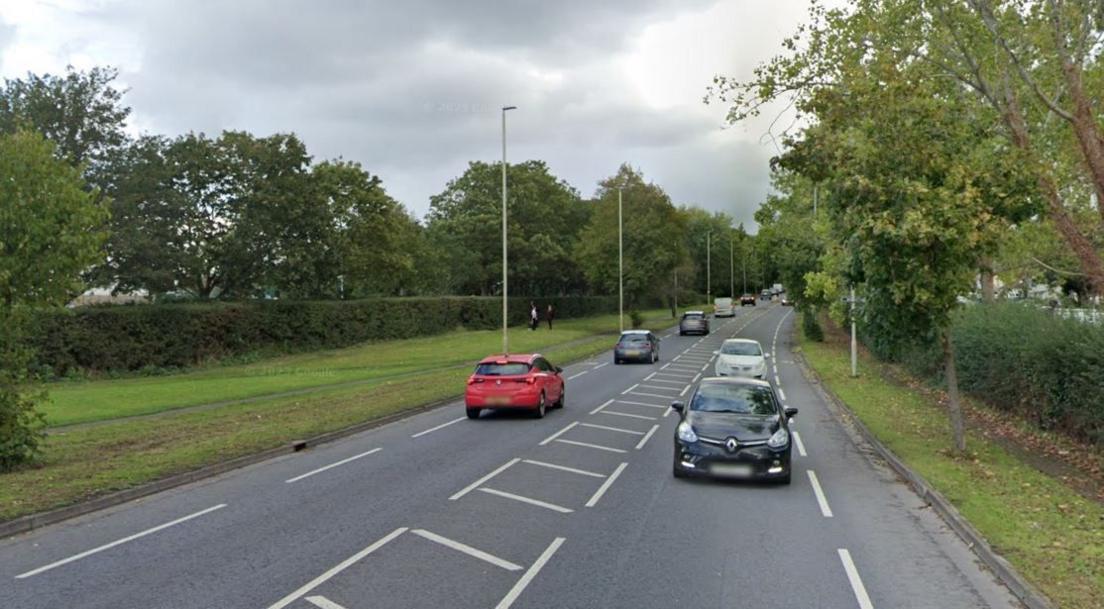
(577,375)
(466,549)
(668,382)
(606,485)
(685,389)
(322,602)
(608,428)
(856,582)
(595,446)
(676,358)
(800,445)
(332,465)
(118,542)
(667,412)
(703,368)
(696,377)
(441,426)
(341,566)
(559,433)
(599,409)
(646,437)
(564,468)
(471,487)
(821,499)
(664,366)
(534,568)
(641,404)
(674,374)
(782,394)
(649,377)
(629,389)
(631,416)
(653,395)
(600,365)
(537,502)
(777,381)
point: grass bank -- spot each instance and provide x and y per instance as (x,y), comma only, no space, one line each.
(82,463)
(1050,533)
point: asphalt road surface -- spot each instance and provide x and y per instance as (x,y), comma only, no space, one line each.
(578,509)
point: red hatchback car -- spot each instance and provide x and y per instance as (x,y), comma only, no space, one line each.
(514,382)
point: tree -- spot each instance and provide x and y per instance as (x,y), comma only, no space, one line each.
(51,230)
(721,235)
(793,239)
(651,222)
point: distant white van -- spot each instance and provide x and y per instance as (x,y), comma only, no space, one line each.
(722,307)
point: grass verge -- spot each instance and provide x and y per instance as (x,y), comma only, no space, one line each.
(1051,534)
(83,463)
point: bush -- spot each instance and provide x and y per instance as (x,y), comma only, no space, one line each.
(21,425)
(158,337)
(811,326)
(637,318)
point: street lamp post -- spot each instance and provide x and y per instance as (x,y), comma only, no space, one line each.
(505,281)
(620,267)
(731,270)
(708,268)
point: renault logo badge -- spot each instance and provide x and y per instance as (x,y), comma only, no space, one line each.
(732,444)
(499,382)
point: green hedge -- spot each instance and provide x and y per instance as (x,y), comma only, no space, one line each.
(1021,358)
(133,337)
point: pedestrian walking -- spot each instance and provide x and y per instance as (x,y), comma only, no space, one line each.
(549,315)
(534,316)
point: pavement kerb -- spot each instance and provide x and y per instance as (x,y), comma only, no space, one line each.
(30,522)
(860,434)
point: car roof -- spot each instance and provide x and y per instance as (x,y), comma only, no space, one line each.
(693,312)
(636,332)
(511,358)
(735,380)
(742,340)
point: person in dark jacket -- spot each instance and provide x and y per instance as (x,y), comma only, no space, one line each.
(549,315)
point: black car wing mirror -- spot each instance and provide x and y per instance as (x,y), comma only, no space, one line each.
(790,412)
(678,405)
(559,370)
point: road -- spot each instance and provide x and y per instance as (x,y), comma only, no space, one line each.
(578,509)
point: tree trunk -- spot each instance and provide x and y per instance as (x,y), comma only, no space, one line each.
(987,288)
(954,407)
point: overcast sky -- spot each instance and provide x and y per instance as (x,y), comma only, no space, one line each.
(412,89)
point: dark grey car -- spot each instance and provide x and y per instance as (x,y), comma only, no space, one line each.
(694,322)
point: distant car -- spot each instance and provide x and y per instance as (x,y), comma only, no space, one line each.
(722,307)
(747,299)
(765,295)
(514,382)
(733,429)
(636,345)
(741,357)
(693,322)
(786,302)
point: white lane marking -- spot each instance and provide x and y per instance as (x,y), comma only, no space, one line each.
(800,445)
(649,377)
(537,502)
(658,388)
(629,389)
(697,360)
(595,446)
(608,428)
(664,366)
(821,499)
(345,564)
(696,377)
(577,375)
(646,437)
(641,404)
(332,465)
(653,395)
(777,381)
(441,426)
(600,365)
(471,487)
(687,369)
(631,416)
(782,394)
(322,602)
(564,468)
(667,412)
(685,389)
(676,358)
(534,568)
(559,433)
(118,542)
(598,409)
(466,549)
(668,382)
(705,366)
(856,581)
(606,485)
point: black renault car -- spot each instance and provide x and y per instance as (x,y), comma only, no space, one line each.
(733,428)
(636,346)
(693,322)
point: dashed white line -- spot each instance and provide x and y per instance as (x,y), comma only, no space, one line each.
(652,395)
(856,582)
(118,542)
(441,426)
(559,433)
(535,568)
(471,487)
(466,549)
(599,409)
(664,366)
(649,377)
(668,382)
(600,365)
(821,499)
(594,446)
(332,465)
(676,358)
(777,381)
(577,375)
(608,428)
(641,404)
(658,388)
(696,377)
(646,437)
(564,468)
(605,485)
(345,564)
(685,389)
(322,602)
(537,502)
(782,394)
(800,445)
(629,389)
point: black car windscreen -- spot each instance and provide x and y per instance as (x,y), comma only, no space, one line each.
(509,369)
(735,398)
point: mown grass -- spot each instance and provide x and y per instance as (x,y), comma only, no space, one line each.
(83,463)
(1050,533)
(86,401)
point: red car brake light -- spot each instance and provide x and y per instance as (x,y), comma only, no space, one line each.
(474,379)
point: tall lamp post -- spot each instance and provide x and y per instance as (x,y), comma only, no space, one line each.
(505,284)
(708,268)
(731,269)
(620,267)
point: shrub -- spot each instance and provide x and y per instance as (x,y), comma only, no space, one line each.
(811,326)
(637,318)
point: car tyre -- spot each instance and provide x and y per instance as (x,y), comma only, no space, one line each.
(542,407)
(560,402)
(473,413)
